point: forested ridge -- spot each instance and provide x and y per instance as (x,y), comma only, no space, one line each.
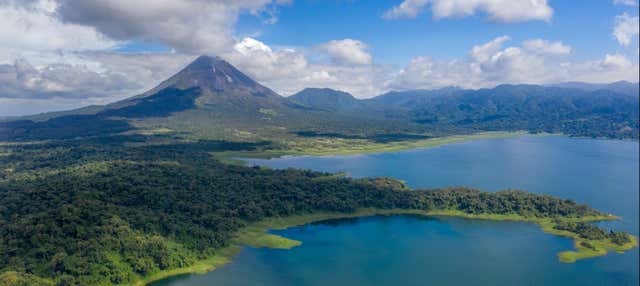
(110,210)
(201,102)
(611,113)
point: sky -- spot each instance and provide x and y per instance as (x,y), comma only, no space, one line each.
(62,54)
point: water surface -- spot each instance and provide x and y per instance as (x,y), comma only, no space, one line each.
(411,250)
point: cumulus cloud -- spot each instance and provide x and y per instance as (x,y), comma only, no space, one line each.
(536,61)
(95,76)
(21,79)
(192,26)
(406,9)
(485,51)
(261,62)
(491,64)
(288,70)
(347,52)
(626,28)
(546,47)
(625,2)
(88,75)
(63,50)
(59,54)
(189,26)
(497,10)
(29,29)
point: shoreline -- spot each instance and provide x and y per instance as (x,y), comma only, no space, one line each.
(235,157)
(257,235)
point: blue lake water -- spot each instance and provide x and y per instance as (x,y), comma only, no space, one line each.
(412,250)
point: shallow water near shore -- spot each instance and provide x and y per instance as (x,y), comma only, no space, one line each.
(413,250)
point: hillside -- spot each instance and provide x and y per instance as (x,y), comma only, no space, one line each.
(622,87)
(211,99)
(326,99)
(208,99)
(594,112)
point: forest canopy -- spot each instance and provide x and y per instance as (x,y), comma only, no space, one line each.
(109,210)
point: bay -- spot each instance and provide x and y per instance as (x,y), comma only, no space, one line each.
(412,250)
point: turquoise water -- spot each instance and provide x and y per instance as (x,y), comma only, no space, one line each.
(411,250)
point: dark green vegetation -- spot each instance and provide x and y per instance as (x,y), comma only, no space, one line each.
(326,99)
(591,232)
(594,112)
(112,210)
(210,99)
(113,194)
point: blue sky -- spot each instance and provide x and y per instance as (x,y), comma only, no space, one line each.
(586,26)
(58,54)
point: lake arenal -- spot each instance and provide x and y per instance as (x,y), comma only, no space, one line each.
(413,250)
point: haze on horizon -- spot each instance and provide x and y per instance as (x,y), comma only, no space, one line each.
(62,54)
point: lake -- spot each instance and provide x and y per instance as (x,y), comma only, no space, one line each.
(413,250)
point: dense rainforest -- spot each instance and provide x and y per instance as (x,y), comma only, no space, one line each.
(109,210)
(107,195)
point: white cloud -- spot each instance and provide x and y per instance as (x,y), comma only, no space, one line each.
(406,9)
(288,71)
(88,75)
(613,67)
(626,28)
(93,77)
(537,61)
(546,47)
(497,10)
(491,64)
(61,51)
(625,2)
(347,52)
(57,54)
(33,31)
(22,80)
(191,26)
(485,51)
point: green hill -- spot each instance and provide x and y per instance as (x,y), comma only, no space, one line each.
(211,99)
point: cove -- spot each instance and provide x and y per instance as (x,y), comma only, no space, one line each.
(410,250)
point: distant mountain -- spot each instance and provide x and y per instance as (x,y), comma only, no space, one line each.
(205,93)
(326,99)
(623,87)
(212,81)
(412,98)
(599,113)
(211,99)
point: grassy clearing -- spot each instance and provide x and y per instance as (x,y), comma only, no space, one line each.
(333,146)
(594,248)
(13,278)
(256,236)
(338,146)
(587,248)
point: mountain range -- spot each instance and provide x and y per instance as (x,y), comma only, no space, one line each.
(211,99)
